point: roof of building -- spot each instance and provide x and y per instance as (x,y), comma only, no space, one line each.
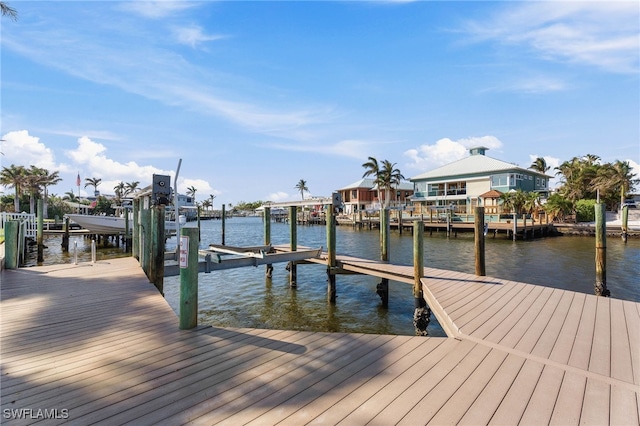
(404,186)
(362,183)
(494,193)
(472,165)
(368,183)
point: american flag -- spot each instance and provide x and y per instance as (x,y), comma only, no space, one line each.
(78,180)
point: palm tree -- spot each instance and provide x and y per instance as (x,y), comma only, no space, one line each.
(531,203)
(13,177)
(540,165)
(120,190)
(615,178)
(301,186)
(8,11)
(48,179)
(385,177)
(372,168)
(131,187)
(212,197)
(192,192)
(33,184)
(390,177)
(93,182)
(70,196)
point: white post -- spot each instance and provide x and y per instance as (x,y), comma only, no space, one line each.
(93,251)
(75,252)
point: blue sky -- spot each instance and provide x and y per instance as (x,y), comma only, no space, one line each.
(254,96)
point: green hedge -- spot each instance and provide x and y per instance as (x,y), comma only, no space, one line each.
(585,210)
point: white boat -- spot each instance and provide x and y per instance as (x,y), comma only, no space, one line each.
(113,224)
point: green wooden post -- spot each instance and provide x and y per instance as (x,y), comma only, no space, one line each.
(65,236)
(625,223)
(135,242)
(127,231)
(224,218)
(188,257)
(331,254)
(145,239)
(479,241)
(156,261)
(601,252)
(382,289)
(293,228)
(199,234)
(11,250)
(400,220)
(384,234)
(267,238)
(39,230)
(421,312)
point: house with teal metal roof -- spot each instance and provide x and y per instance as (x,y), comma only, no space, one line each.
(476,180)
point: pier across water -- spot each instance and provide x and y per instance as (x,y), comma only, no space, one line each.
(97,343)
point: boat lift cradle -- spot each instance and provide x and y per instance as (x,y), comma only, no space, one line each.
(219,257)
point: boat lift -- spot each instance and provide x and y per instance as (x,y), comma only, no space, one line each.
(219,257)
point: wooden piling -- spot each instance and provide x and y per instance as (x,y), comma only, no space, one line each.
(384,234)
(601,251)
(267,238)
(11,246)
(156,272)
(135,234)
(65,235)
(293,230)
(625,223)
(127,232)
(421,312)
(198,219)
(39,230)
(224,219)
(331,254)
(145,239)
(188,258)
(479,241)
(383,287)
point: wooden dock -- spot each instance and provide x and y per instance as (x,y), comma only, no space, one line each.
(96,343)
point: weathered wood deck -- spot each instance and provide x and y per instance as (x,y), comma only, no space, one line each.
(98,343)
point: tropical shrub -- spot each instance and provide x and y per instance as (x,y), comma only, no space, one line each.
(585,210)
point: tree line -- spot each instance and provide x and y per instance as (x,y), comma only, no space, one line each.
(582,179)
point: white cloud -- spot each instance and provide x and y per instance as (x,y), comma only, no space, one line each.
(598,34)
(20,148)
(346,148)
(445,151)
(193,35)
(531,85)
(91,159)
(156,9)
(202,186)
(278,196)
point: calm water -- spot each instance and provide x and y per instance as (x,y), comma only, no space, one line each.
(246,298)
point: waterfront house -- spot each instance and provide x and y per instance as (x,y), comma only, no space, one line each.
(364,195)
(476,180)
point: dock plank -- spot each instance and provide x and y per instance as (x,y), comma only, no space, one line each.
(100,341)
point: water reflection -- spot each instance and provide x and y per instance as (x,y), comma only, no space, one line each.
(247,298)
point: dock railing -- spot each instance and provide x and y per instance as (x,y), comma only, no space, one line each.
(28,225)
